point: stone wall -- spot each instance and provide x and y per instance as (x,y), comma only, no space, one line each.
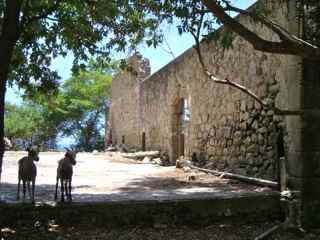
(227,129)
(124,112)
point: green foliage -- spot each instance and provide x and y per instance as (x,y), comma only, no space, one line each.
(90,28)
(26,124)
(85,99)
(77,110)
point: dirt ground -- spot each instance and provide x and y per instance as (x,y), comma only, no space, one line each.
(109,177)
(213,232)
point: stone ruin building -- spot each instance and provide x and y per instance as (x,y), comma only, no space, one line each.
(178,110)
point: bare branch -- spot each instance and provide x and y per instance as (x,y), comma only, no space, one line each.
(236,85)
(289,45)
(167,48)
(283,34)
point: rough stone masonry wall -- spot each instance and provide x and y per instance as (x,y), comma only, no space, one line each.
(124,111)
(227,129)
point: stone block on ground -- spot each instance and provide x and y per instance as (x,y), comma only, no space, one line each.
(146,160)
(141,155)
(156,161)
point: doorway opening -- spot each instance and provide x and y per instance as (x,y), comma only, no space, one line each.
(181,117)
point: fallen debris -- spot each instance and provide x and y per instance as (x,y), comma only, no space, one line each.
(186,169)
(164,157)
(123,148)
(157,161)
(183,162)
(192,177)
(111,149)
(252,180)
(146,160)
(268,232)
(141,155)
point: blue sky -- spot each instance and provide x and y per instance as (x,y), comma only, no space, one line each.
(158,57)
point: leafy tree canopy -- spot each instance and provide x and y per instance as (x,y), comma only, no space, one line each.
(78,110)
(51,28)
(26,124)
(85,102)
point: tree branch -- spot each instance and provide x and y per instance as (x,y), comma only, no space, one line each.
(290,44)
(236,85)
(283,34)
(167,48)
(28,20)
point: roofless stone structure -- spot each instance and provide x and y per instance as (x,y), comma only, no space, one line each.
(179,110)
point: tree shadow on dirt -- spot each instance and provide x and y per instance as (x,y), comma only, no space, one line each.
(144,188)
(160,183)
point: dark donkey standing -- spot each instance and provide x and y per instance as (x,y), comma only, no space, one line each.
(28,172)
(64,173)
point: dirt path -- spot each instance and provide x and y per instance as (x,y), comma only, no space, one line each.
(109,177)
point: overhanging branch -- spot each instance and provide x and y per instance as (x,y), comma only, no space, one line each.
(289,43)
(236,85)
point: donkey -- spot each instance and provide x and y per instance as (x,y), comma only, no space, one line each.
(64,174)
(27,173)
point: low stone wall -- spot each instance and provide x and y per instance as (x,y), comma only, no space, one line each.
(244,208)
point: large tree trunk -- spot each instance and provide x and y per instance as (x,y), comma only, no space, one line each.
(2,100)
(8,39)
(4,69)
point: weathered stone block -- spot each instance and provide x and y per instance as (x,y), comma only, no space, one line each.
(254,148)
(247,141)
(254,138)
(255,124)
(263,130)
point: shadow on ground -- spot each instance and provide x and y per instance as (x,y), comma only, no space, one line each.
(140,189)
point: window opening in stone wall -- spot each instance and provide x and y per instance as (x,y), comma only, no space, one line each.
(123,140)
(186,113)
(143,147)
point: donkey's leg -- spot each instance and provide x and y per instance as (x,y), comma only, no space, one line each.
(24,189)
(29,189)
(56,192)
(33,189)
(66,189)
(70,195)
(62,190)
(18,191)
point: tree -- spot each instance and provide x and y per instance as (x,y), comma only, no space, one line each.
(33,32)
(76,110)
(27,125)
(85,98)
